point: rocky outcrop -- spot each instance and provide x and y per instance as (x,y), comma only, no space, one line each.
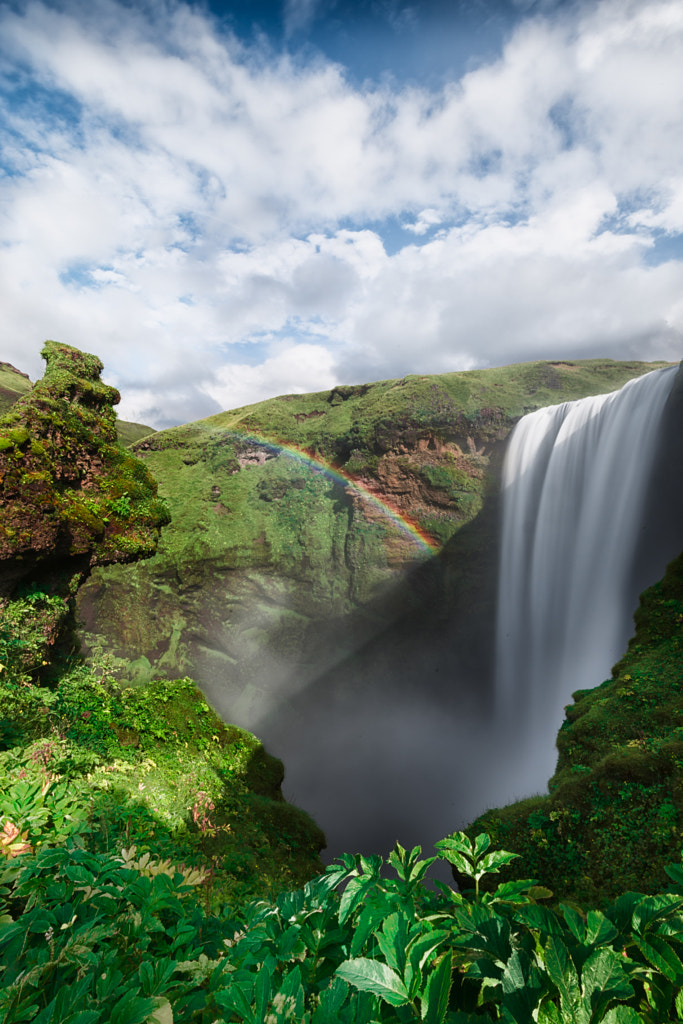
(70,497)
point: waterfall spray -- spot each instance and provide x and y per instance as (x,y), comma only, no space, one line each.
(574,485)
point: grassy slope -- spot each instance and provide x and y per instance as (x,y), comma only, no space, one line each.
(156,768)
(334,422)
(13,385)
(258,558)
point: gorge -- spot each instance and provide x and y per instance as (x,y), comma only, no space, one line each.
(310,620)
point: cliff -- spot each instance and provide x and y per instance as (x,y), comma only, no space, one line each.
(274,567)
(73,499)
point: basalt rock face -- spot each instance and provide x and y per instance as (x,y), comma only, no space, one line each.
(275,570)
(70,497)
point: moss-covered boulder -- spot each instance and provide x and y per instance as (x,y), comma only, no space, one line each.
(70,498)
(68,489)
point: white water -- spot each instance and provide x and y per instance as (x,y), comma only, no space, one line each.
(575,480)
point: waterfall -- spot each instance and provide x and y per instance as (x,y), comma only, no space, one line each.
(575,480)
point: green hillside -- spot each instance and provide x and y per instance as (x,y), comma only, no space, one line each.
(272,568)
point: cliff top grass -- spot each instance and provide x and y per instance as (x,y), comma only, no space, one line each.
(369,417)
(152,767)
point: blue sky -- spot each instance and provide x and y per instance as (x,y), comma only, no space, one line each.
(232,200)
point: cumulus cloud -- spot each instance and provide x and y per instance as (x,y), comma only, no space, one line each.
(173,199)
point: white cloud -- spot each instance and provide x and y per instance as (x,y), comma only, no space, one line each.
(196,195)
(293,369)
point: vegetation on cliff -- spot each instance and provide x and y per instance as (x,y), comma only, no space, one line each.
(266,548)
(135,827)
(68,488)
(131,766)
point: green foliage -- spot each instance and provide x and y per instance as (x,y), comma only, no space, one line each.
(154,766)
(89,937)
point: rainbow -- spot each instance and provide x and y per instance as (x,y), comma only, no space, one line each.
(408,528)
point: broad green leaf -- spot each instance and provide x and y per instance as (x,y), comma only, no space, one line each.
(290,904)
(622,1015)
(262,987)
(420,867)
(575,920)
(523,987)
(420,948)
(549,1013)
(481,844)
(511,892)
(460,862)
(419,951)
(458,849)
(458,841)
(369,919)
(131,1009)
(371,865)
(434,1003)
(375,977)
(660,954)
(155,975)
(540,918)
(484,968)
(654,908)
(399,861)
(603,979)
(237,998)
(79,874)
(675,872)
(562,973)
(599,929)
(288,1002)
(392,941)
(678,1003)
(331,1000)
(492,862)
(351,897)
(492,936)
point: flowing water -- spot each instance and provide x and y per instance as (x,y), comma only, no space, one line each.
(575,482)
